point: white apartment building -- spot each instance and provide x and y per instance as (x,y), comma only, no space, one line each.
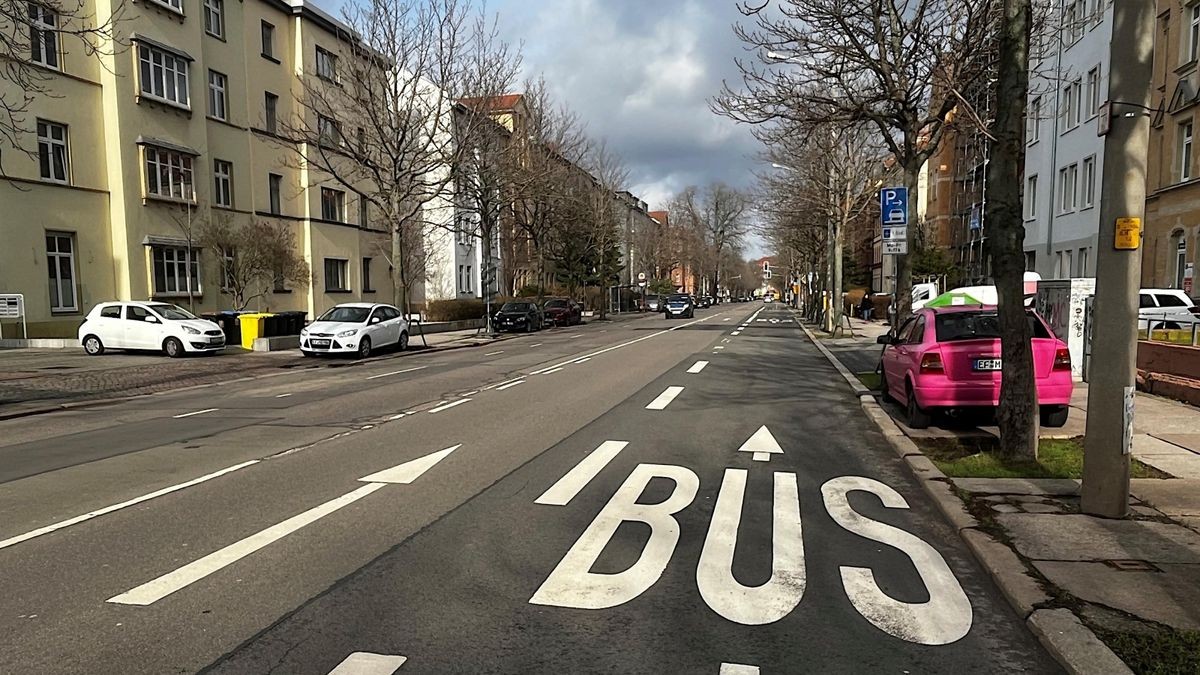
(1064,160)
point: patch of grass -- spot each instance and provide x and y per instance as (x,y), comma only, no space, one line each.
(979,458)
(870,380)
(1164,652)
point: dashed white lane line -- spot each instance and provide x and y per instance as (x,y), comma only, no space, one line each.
(736,332)
(125,504)
(509,385)
(494,353)
(499,385)
(565,489)
(727,669)
(366,663)
(664,399)
(539,344)
(575,337)
(719,347)
(283,395)
(728,318)
(583,360)
(398,372)
(470,393)
(396,417)
(551,371)
(197,412)
(451,404)
(157,589)
(697,366)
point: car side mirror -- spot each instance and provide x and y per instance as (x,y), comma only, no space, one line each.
(151,319)
(375,320)
(885,340)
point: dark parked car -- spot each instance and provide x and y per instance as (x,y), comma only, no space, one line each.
(519,315)
(561,312)
(680,305)
(704,301)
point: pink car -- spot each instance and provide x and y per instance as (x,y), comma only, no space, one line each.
(949,358)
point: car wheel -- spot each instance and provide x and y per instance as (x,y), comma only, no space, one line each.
(1055,417)
(364,348)
(93,346)
(886,390)
(402,345)
(173,347)
(917,418)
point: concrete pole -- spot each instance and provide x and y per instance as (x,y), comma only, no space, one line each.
(1118,272)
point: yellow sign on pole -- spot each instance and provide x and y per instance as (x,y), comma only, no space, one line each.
(1129,234)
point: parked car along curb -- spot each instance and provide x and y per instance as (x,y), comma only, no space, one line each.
(1070,642)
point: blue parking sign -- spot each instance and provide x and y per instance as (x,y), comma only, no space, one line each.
(893,206)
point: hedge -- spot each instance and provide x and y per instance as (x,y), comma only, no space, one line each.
(454,310)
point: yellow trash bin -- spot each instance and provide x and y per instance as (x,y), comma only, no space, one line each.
(252,328)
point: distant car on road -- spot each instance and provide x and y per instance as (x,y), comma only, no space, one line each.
(148,325)
(1166,308)
(948,358)
(357,328)
(703,302)
(562,312)
(680,305)
(519,315)
(654,303)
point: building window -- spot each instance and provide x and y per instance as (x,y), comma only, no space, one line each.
(326,65)
(52,151)
(337,277)
(1180,259)
(1093,92)
(268,40)
(176,270)
(228,268)
(1068,107)
(43,36)
(469,277)
(218,85)
(222,183)
(328,132)
(274,188)
(1031,195)
(333,205)
(1089,182)
(1082,263)
(1185,151)
(1068,181)
(366,276)
(60,261)
(1193,43)
(168,174)
(462,285)
(214,18)
(163,75)
(364,211)
(1034,119)
(271,112)
(174,5)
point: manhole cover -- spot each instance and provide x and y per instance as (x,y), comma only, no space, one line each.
(1132,565)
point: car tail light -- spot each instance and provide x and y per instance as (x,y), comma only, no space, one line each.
(1062,359)
(931,362)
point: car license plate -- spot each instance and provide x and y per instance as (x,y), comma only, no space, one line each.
(987,364)
(215,340)
(321,344)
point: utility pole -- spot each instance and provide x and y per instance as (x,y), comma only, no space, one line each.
(1118,262)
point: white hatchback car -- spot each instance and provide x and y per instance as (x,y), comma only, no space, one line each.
(1168,308)
(355,328)
(148,325)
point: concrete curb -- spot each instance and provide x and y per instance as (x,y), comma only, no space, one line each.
(1062,634)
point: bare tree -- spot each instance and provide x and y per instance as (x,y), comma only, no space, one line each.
(377,117)
(254,257)
(33,40)
(601,220)
(718,216)
(898,65)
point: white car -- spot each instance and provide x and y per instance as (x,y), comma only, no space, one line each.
(355,328)
(148,325)
(1168,308)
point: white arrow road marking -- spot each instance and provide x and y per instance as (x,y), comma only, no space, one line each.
(398,372)
(451,404)
(125,504)
(563,491)
(510,385)
(153,591)
(697,366)
(198,412)
(409,471)
(762,444)
(664,399)
(738,669)
(366,663)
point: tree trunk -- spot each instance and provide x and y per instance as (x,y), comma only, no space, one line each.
(1018,413)
(838,246)
(399,295)
(487,274)
(904,262)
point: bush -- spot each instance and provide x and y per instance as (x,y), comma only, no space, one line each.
(454,310)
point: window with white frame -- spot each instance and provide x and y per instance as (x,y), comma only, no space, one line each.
(1077,102)
(53,162)
(1093,92)
(228,268)
(43,36)
(1081,263)
(1068,182)
(1034,121)
(176,270)
(60,261)
(222,183)
(1031,197)
(337,274)
(333,205)
(214,18)
(470,275)
(218,88)
(1184,154)
(163,75)
(1068,105)
(1180,259)
(1088,188)
(326,65)
(175,5)
(168,173)
(1193,41)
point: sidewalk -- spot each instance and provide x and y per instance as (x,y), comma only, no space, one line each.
(1134,583)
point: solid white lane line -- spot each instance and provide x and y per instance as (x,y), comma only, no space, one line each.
(125,504)
(366,663)
(697,366)
(451,404)
(583,360)
(283,396)
(494,353)
(153,591)
(500,385)
(575,337)
(398,372)
(619,346)
(471,393)
(396,417)
(664,399)
(539,344)
(565,489)
(552,371)
(726,669)
(509,385)
(198,412)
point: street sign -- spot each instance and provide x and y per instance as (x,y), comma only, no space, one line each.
(893,206)
(976,217)
(895,247)
(1104,119)
(641,276)
(1129,234)
(892,233)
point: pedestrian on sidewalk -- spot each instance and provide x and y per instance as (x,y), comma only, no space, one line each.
(865,307)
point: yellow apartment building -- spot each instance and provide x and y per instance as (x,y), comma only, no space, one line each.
(180,122)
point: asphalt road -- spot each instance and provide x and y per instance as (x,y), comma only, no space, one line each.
(580,500)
